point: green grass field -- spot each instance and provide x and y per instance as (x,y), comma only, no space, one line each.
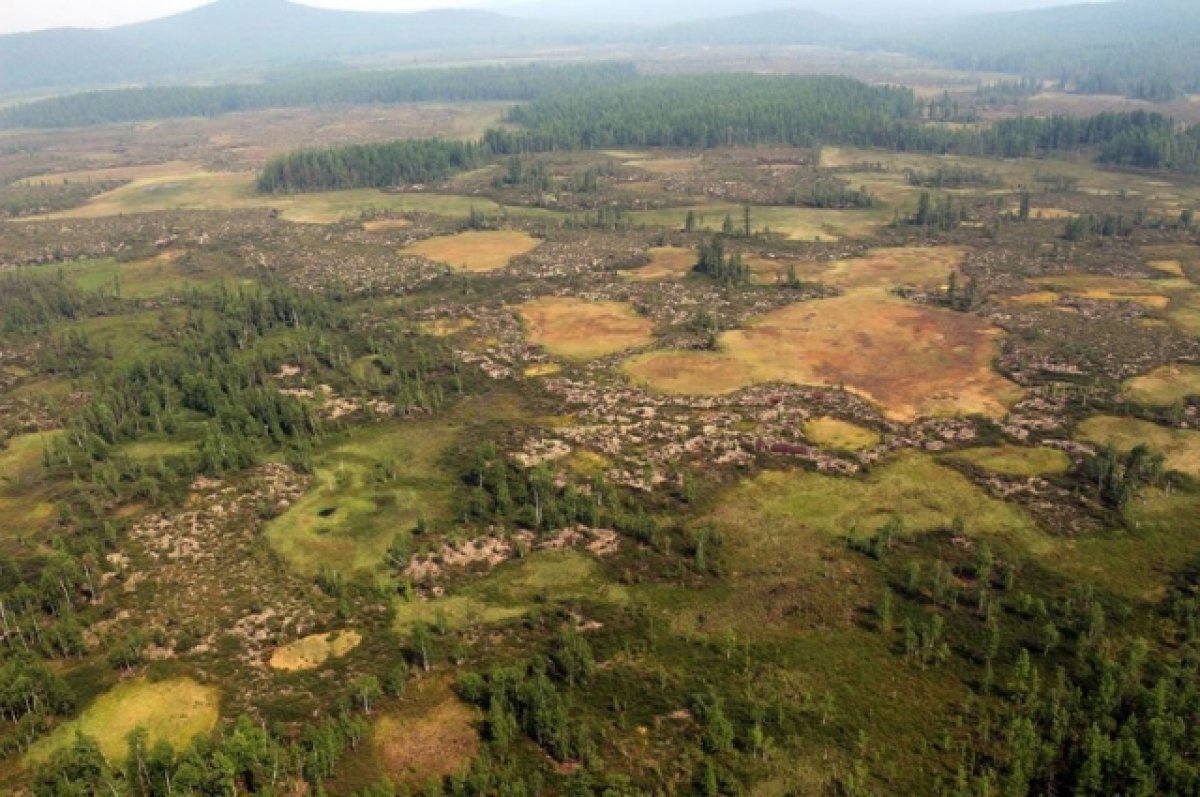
(785,508)
(1016,460)
(26,494)
(515,588)
(174,711)
(1180,446)
(376,486)
(1164,386)
(143,279)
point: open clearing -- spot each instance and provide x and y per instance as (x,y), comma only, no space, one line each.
(1164,386)
(666,166)
(666,263)
(909,359)
(796,224)
(25,503)
(1179,260)
(368,491)
(1185,314)
(778,510)
(925,267)
(476,251)
(1165,195)
(512,590)
(1017,460)
(156,277)
(1148,293)
(311,652)
(690,372)
(583,330)
(191,188)
(453,612)
(386,225)
(174,711)
(1180,446)
(833,433)
(440,743)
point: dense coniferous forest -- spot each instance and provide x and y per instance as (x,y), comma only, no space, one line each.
(739,110)
(516,83)
(369,166)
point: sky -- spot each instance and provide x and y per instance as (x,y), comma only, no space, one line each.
(26,15)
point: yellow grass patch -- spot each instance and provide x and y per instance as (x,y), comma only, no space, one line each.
(1164,386)
(447,327)
(385,225)
(1185,314)
(796,224)
(832,433)
(1180,446)
(542,369)
(1042,298)
(1146,292)
(584,330)
(174,711)
(666,165)
(452,611)
(666,263)
(143,172)
(313,651)
(439,742)
(25,503)
(926,267)
(689,372)
(1047,214)
(1017,460)
(1172,267)
(186,187)
(476,251)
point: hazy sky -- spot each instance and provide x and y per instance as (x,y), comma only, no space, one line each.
(24,15)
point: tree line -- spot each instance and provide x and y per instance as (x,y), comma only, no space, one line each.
(468,84)
(369,165)
(740,110)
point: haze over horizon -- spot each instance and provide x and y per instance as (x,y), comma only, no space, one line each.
(18,16)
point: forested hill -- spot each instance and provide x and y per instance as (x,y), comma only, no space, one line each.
(1148,49)
(231,35)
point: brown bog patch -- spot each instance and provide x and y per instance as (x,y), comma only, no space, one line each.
(580,329)
(476,251)
(910,359)
(440,742)
(926,267)
(690,372)
(666,263)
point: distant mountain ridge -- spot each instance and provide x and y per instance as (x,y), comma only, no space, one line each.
(1145,48)
(231,34)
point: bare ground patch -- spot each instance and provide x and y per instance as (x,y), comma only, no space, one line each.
(476,251)
(580,329)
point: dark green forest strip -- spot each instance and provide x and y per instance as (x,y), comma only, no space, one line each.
(737,110)
(518,84)
(369,165)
